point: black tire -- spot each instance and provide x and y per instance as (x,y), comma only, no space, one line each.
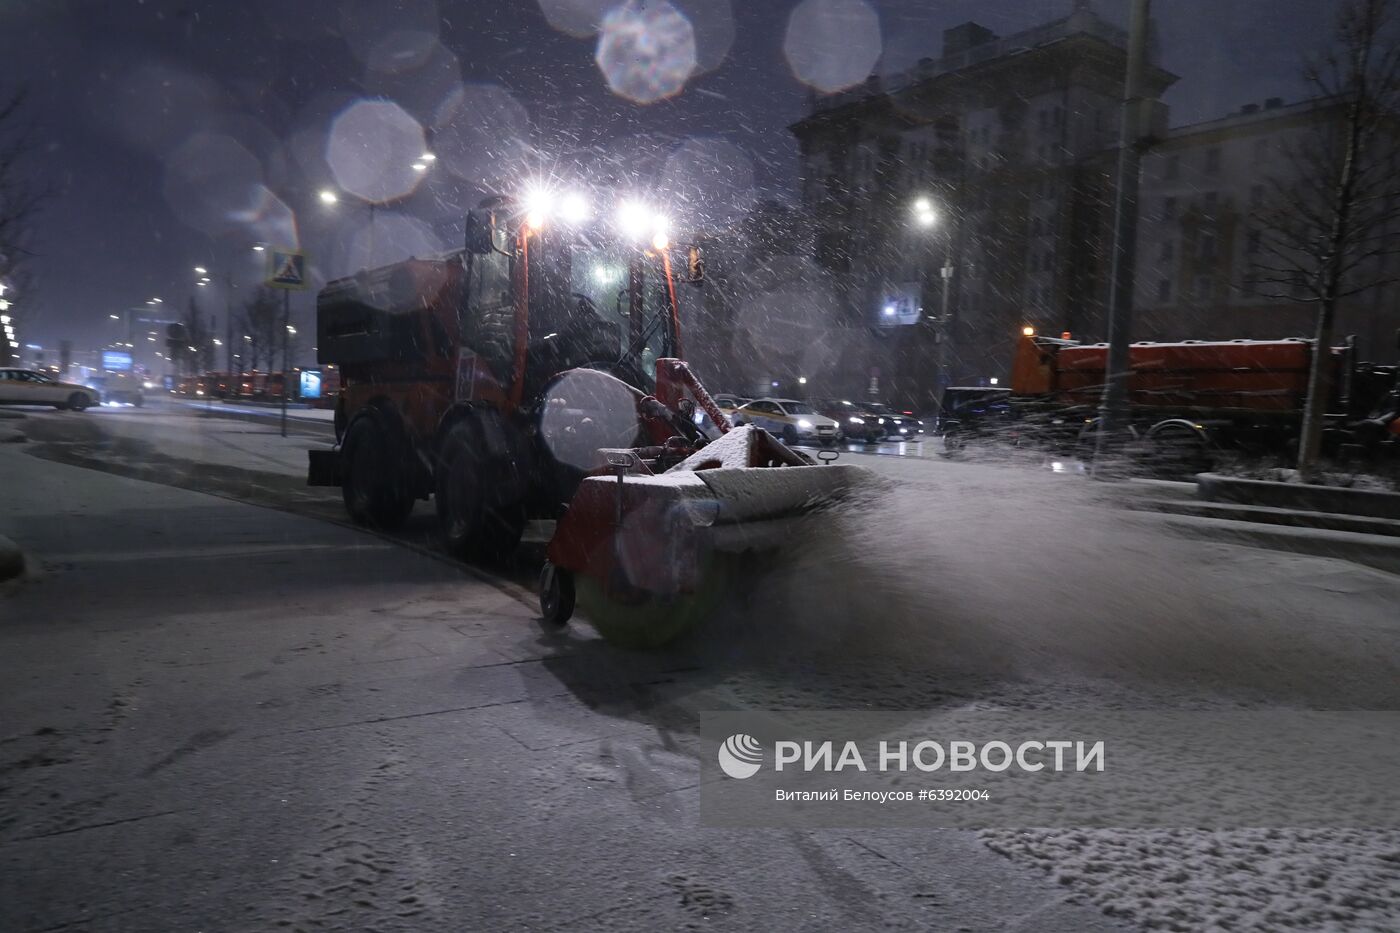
(376,485)
(140,400)
(78,401)
(557,596)
(476,524)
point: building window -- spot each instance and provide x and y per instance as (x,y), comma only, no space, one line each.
(1207,247)
(1252,239)
(1212,200)
(1168,208)
(1250,286)
(1164,290)
(1203,288)
(1213,160)
(1168,250)
(1173,168)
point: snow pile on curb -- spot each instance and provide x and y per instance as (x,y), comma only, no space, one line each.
(1242,880)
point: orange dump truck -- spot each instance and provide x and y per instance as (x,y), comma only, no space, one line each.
(1188,400)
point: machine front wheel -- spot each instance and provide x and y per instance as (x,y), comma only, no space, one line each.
(375,487)
(556,596)
(474,524)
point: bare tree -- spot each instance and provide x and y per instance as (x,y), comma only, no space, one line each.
(20,200)
(1329,225)
(261,322)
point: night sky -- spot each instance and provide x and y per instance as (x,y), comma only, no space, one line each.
(157,117)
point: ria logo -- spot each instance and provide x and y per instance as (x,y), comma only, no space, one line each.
(740,756)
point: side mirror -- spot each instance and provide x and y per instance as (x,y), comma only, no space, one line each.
(694,266)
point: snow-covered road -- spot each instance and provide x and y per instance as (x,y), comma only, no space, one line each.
(387,740)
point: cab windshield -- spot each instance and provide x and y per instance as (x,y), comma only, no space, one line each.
(799,408)
(600,284)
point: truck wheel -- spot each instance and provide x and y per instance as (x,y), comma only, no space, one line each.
(1177,452)
(375,486)
(474,524)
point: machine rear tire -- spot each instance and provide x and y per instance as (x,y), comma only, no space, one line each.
(473,526)
(375,486)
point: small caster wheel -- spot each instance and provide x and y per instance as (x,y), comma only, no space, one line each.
(556,596)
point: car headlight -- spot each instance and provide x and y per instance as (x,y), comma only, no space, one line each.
(855,420)
(880,421)
(804,424)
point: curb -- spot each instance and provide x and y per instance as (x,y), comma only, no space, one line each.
(11,559)
(1268,515)
(1375,551)
(1213,487)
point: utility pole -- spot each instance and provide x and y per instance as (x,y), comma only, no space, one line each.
(1113,412)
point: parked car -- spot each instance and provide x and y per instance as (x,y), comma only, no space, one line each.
(897,425)
(795,422)
(27,387)
(975,413)
(729,402)
(857,422)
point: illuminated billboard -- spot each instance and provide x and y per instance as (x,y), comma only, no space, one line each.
(116,361)
(310,383)
(899,305)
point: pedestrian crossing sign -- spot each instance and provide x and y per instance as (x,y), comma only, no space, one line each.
(287,269)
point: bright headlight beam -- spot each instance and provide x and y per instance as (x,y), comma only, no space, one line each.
(633,220)
(573,208)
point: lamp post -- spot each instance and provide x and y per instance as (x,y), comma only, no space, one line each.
(926,218)
(1113,410)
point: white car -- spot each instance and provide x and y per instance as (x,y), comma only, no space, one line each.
(27,387)
(795,422)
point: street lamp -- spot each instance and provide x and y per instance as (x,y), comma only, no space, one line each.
(924,214)
(328,196)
